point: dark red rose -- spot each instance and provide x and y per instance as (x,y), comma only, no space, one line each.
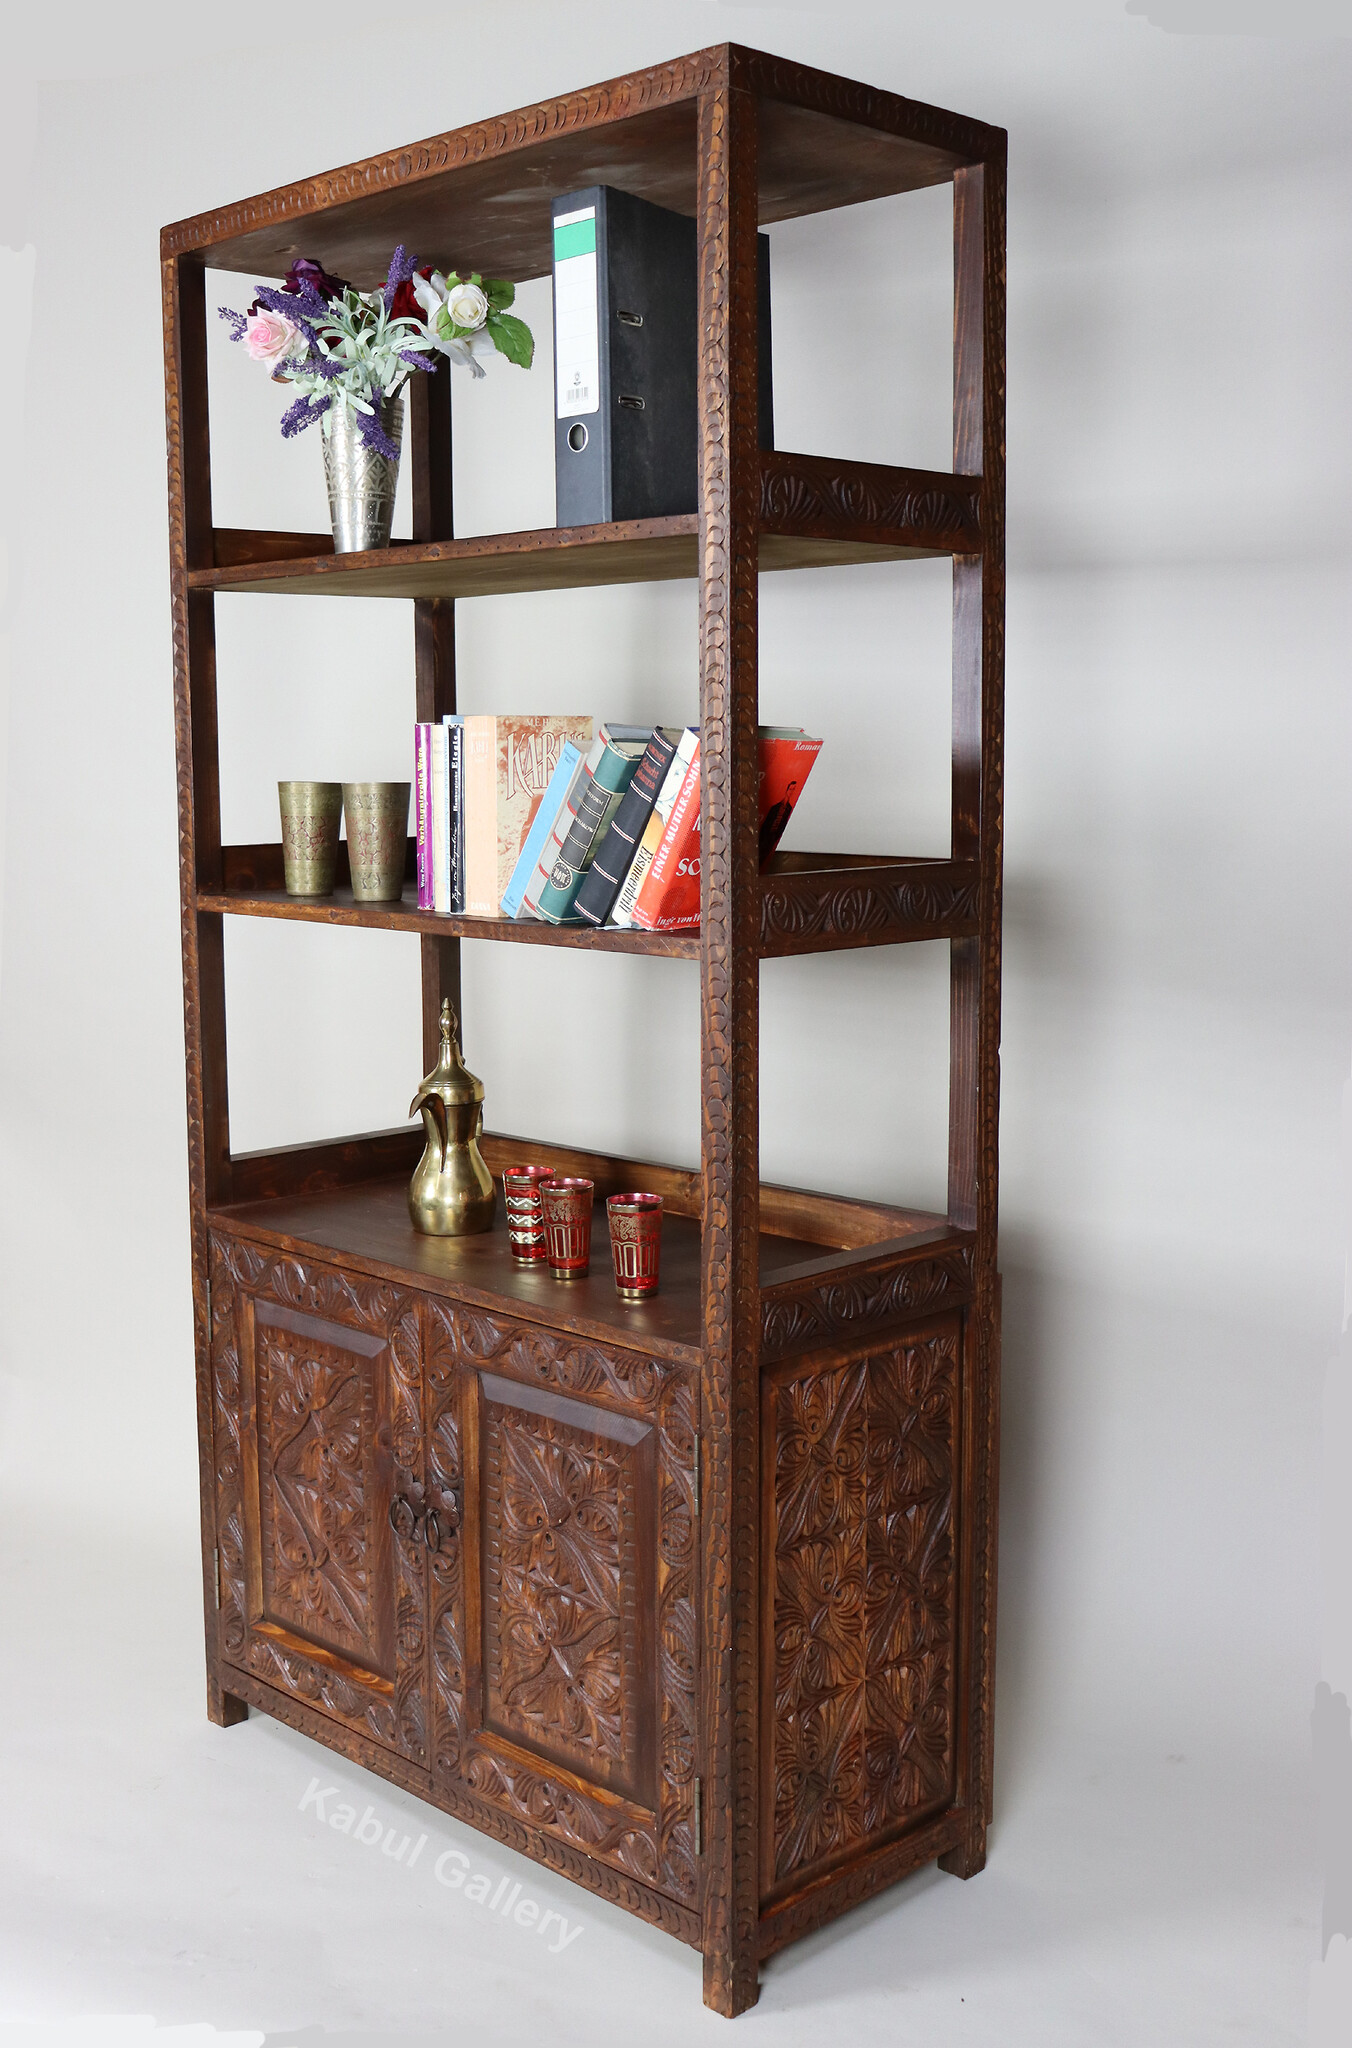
(404,306)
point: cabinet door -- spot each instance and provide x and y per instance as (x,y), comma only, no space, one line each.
(562,1622)
(320,1476)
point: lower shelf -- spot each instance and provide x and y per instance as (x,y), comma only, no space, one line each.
(368,1228)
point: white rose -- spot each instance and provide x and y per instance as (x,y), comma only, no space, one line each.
(467,305)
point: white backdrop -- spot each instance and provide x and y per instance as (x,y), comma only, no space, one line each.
(1177,990)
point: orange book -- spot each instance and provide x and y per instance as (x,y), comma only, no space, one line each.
(669,898)
(508,765)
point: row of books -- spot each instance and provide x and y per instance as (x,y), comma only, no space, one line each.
(525,817)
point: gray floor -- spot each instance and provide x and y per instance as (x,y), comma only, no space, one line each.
(157,1867)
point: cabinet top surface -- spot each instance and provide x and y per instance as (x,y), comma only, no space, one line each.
(479,196)
(371,1224)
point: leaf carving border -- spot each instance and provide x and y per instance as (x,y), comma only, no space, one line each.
(908,507)
(836,909)
(801,1316)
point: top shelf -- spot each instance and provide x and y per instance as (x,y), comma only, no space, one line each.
(479,196)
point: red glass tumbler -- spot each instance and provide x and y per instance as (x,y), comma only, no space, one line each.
(567,1205)
(525,1215)
(635,1243)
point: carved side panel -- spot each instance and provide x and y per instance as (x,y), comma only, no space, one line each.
(317,1386)
(562,1623)
(859,1708)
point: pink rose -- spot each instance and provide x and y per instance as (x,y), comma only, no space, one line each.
(269,337)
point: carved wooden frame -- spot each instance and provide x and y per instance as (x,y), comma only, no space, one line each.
(732,95)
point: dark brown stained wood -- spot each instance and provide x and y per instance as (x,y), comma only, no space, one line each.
(189,475)
(858,1629)
(978,788)
(479,196)
(810,903)
(367,1229)
(406,917)
(465,1386)
(318,1393)
(729,1035)
(836,1892)
(547,558)
(861,1230)
(826,1301)
(433,655)
(920,511)
(562,1620)
(815,513)
(233,545)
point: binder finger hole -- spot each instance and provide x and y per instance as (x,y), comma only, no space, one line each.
(577,437)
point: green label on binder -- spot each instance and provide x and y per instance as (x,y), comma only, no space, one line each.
(575,238)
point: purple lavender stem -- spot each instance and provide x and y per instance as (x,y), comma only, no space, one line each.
(238,322)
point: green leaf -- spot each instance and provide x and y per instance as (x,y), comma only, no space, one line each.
(512,338)
(499,293)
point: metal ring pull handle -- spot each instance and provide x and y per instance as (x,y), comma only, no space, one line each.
(403,1517)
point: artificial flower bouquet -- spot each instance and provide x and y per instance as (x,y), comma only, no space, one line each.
(346,350)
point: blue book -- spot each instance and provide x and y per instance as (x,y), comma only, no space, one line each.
(560,782)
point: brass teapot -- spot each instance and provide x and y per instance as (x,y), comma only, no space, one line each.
(452,1193)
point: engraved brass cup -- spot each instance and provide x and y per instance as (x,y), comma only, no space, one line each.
(567,1203)
(310,815)
(377,839)
(635,1243)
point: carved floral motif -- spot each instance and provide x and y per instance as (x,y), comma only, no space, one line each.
(560,1566)
(851,908)
(806,1314)
(318,1511)
(915,508)
(861,1726)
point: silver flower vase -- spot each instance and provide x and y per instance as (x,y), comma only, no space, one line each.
(361,482)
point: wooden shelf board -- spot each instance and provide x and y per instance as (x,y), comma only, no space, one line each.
(405,916)
(479,197)
(367,1225)
(549,558)
(812,902)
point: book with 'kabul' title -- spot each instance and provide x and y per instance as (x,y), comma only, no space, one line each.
(509,763)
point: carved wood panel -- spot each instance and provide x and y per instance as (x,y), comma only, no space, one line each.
(316,1377)
(859,1707)
(562,1623)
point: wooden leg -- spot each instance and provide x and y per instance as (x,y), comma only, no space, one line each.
(224,1709)
(729,1988)
(969,1856)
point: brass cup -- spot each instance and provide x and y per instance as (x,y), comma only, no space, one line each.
(377,839)
(310,815)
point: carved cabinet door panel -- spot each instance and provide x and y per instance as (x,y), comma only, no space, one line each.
(860,1472)
(562,1627)
(320,1488)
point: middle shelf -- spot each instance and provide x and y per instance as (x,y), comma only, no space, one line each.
(810,903)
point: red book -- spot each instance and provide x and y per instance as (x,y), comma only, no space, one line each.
(669,898)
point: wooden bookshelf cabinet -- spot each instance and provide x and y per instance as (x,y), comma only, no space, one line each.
(694,1601)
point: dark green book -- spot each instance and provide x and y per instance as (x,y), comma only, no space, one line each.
(623,747)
